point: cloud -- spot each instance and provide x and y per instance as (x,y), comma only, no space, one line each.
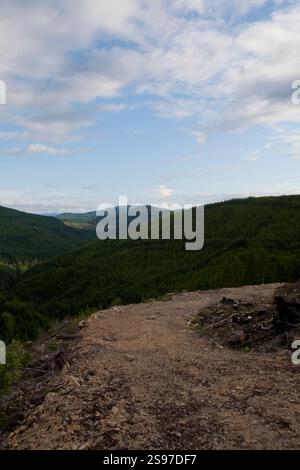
(42,202)
(46,149)
(113,107)
(199,136)
(217,7)
(59,125)
(164,191)
(253,156)
(198,58)
(14,135)
(41,149)
(179,108)
(287,138)
(256,88)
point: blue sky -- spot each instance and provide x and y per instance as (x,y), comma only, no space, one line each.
(182,101)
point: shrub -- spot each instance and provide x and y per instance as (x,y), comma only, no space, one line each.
(16,358)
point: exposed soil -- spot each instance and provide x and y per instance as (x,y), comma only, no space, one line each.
(244,325)
(140,377)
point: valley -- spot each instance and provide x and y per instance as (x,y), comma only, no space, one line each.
(247,241)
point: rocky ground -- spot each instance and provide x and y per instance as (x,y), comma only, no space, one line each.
(141,376)
(259,325)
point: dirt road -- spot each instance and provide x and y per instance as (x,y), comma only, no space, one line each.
(140,377)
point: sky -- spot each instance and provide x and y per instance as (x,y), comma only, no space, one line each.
(177,101)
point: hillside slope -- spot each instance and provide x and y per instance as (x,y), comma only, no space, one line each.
(86,222)
(140,378)
(246,242)
(77,217)
(28,237)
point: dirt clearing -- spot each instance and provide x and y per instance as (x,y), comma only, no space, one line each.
(140,377)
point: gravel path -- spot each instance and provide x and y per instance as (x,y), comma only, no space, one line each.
(140,378)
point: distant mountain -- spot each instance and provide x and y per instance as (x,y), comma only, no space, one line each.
(77,217)
(48,214)
(28,237)
(88,221)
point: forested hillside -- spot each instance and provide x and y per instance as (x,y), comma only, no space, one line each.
(85,222)
(246,242)
(28,238)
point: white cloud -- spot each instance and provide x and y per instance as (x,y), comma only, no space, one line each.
(59,125)
(253,156)
(41,149)
(8,135)
(39,202)
(113,107)
(287,138)
(199,136)
(165,191)
(46,149)
(60,54)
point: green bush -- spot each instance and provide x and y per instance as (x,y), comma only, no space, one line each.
(16,358)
